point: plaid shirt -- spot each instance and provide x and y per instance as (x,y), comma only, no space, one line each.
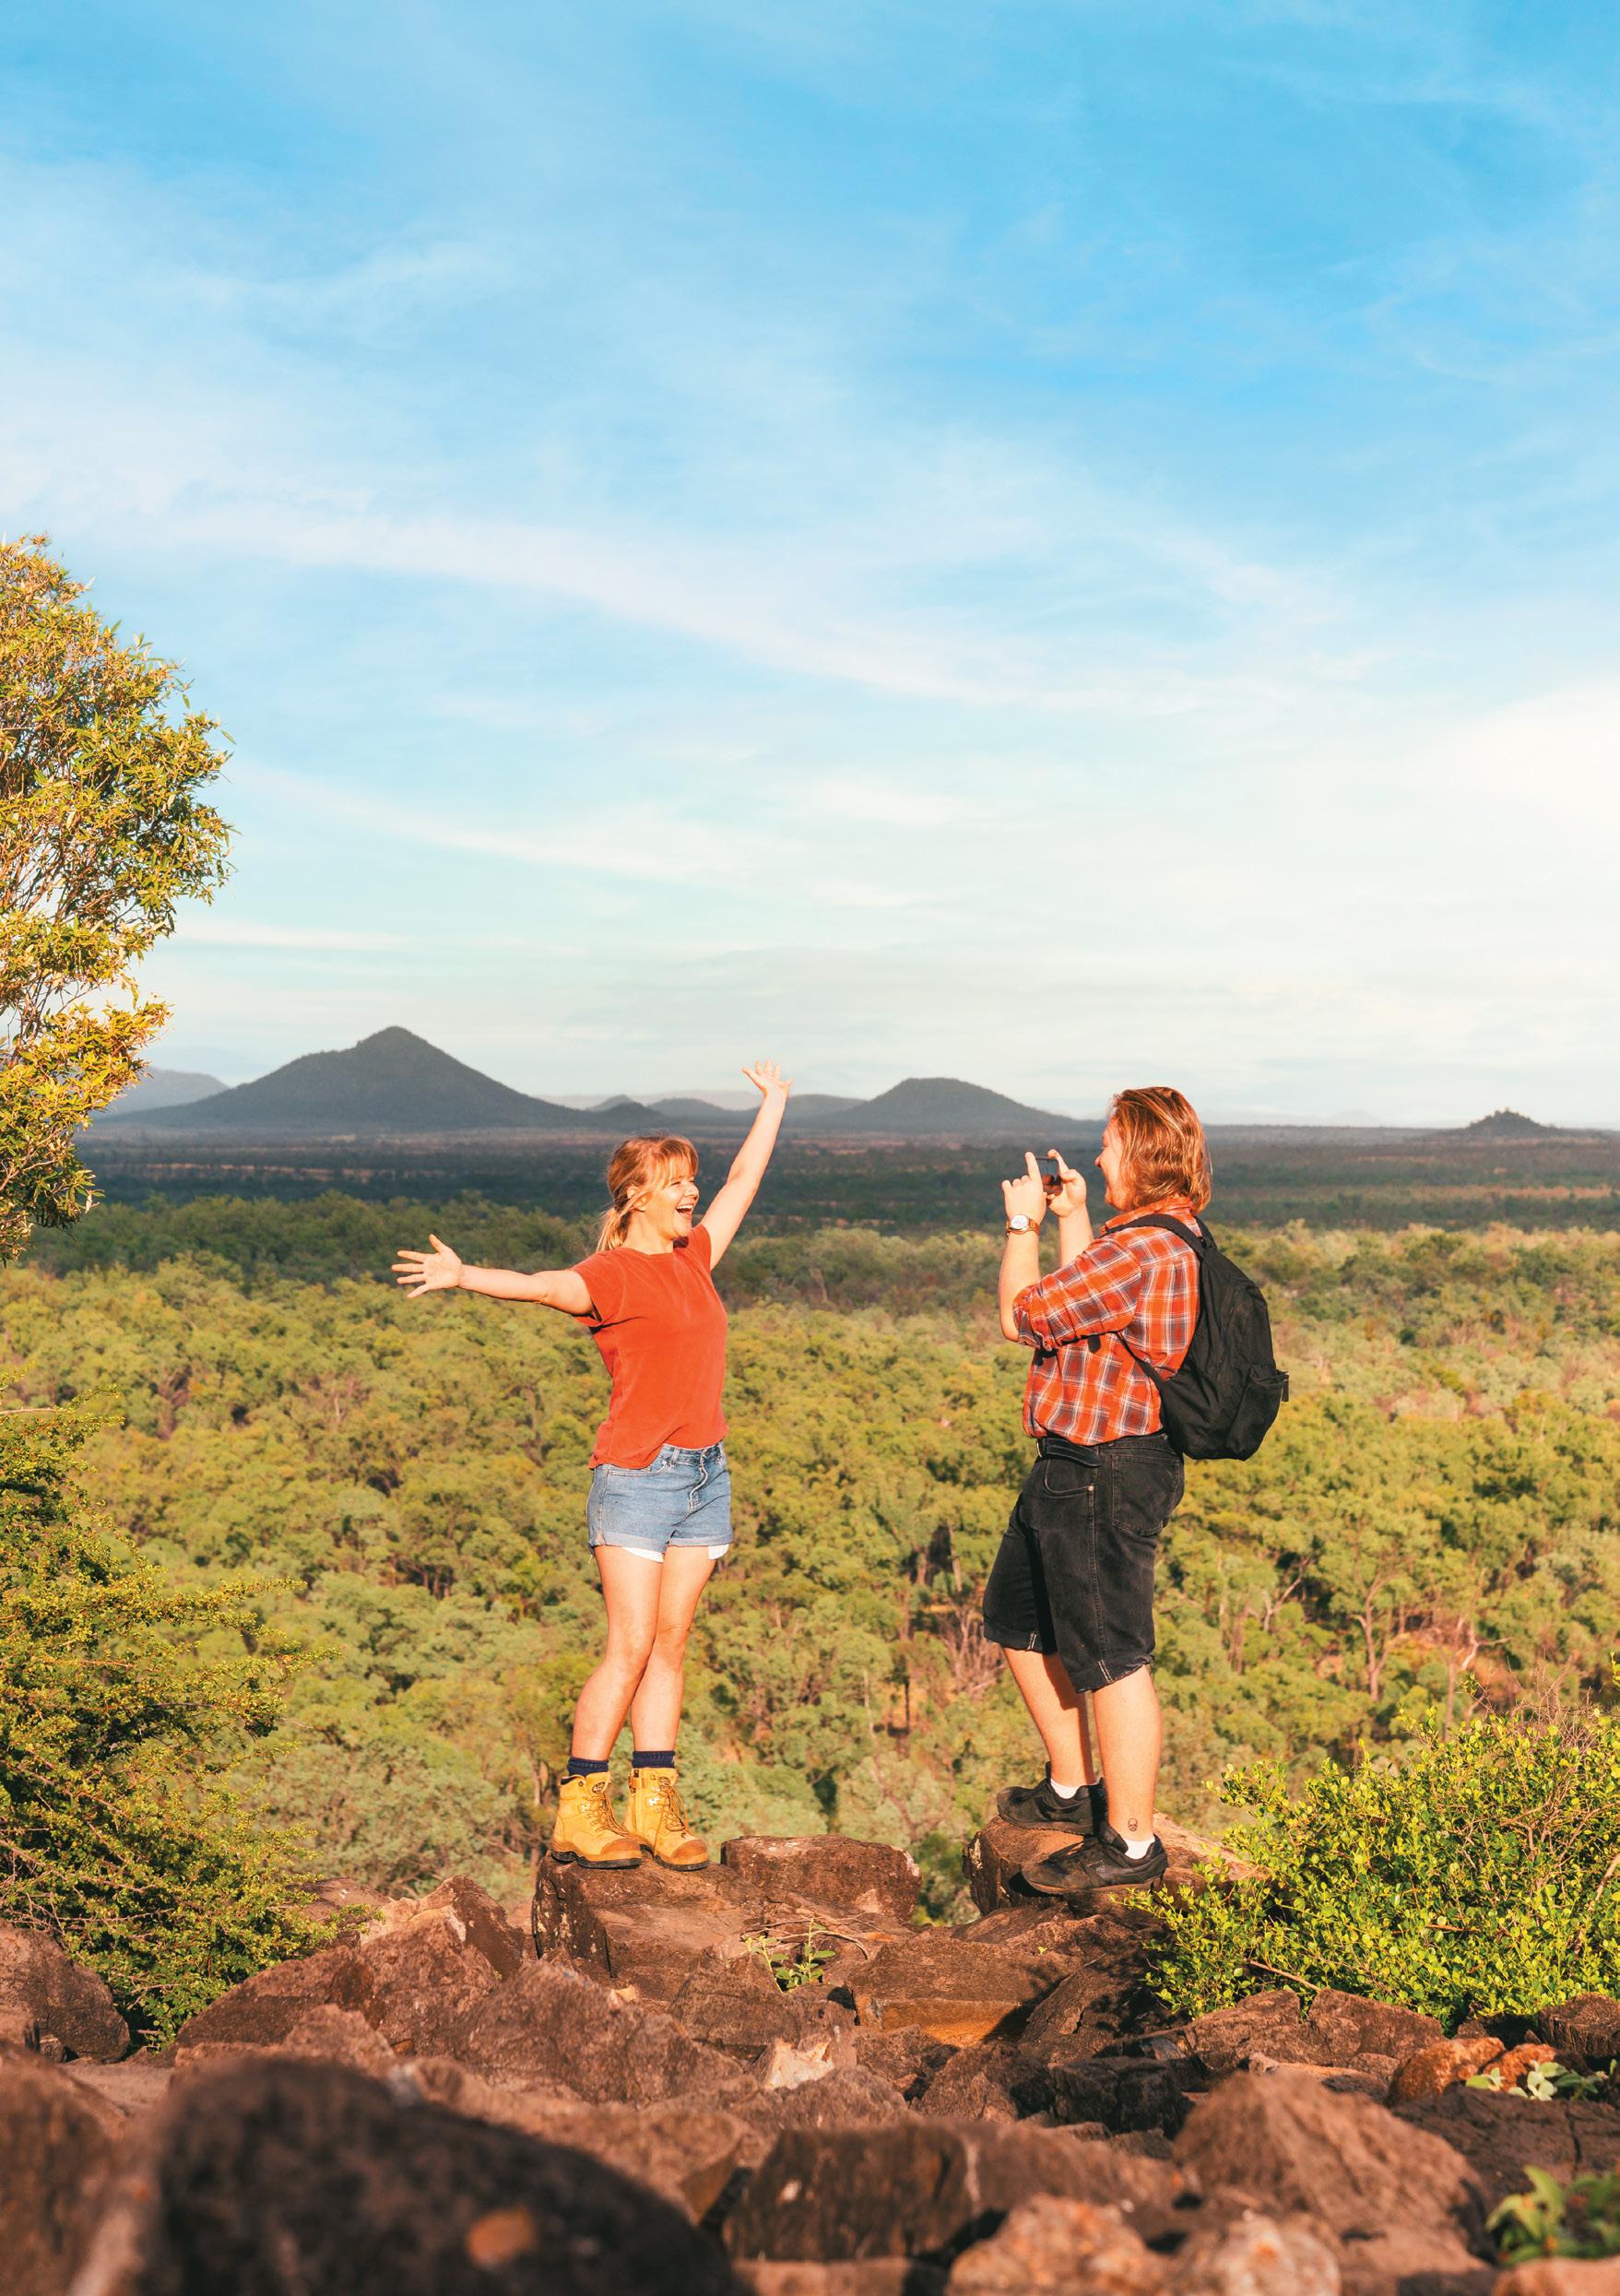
(1139,1286)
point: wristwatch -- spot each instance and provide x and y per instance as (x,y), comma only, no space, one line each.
(1019,1224)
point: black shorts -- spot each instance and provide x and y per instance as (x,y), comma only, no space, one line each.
(1073,1576)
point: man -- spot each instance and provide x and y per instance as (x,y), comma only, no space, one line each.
(1071,1597)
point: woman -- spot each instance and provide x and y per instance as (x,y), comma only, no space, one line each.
(1071,1597)
(660,1512)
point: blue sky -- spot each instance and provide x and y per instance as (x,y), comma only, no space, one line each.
(1063,544)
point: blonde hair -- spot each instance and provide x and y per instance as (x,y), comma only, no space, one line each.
(645,1162)
(1162,1146)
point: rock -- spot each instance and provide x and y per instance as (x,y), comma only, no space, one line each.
(58,2143)
(342,2036)
(905,2054)
(785,2065)
(734,2002)
(430,1962)
(846,2095)
(875,2275)
(924,2188)
(647,1927)
(552,2024)
(1501,2136)
(440,2080)
(132,2087)
(282,2178)
(1441,2066)
(1269,2023)
(1259,2256)
(864,1876)
(1562,2276)
(688,2155)
(1404,2200)
(956,1992)
(1092,2003)
(1585,2031)
(994,1860)
(1370,2077)
(264,2008)
(1121,2093)
(1049,2246)
(1512,2065)
(1344,2027)
(40,1987)
(976,2084)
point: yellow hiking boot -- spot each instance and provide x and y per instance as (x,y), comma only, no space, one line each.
(586,1829)
(656,1816)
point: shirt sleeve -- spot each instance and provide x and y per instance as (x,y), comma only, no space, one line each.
(1098,1292)
(701,1247)
(605,1280)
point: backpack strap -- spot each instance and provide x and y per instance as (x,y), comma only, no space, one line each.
(1200,1240)
(1198,1237)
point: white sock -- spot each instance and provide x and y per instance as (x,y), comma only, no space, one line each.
(1068,1792)
(1138,1849)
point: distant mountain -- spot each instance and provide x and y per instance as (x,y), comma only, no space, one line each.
(626,1117)
(945,1107)
(821,1110)
(681,1110)
(163,1088)
(1507,1124)
(390,1083)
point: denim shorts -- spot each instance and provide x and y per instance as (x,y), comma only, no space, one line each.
(679,1498)
(1074,1573)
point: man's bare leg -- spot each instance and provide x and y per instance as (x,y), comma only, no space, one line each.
(1129,1735)
(1058,1712)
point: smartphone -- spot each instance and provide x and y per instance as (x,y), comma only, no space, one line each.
(1052,1184)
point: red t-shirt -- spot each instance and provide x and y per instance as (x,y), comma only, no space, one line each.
(661,1327)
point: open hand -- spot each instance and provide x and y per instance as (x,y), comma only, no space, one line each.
(1071,1197)
(766,1077)
(435,1270)
(1027,1194)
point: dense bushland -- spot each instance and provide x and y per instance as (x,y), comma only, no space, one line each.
(1476,1878)
(1433,1522)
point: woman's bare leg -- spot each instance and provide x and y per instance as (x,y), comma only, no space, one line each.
(1058,1712)
(631,1587)
(655,1713)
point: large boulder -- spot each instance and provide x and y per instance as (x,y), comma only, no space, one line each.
(689,2154)
(550,2024)
(953,1990)
(905,2054)
(844,2096)
(263,2009)
(732,2002)
(46,1997)
(429,1963)
(926,2188)
(58,2144)
(1501,2136)
(298,2179)
(866,1877)
(1399,2201)
(1120,2093)
(647,1927)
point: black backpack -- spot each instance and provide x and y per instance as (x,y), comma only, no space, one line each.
(1222,1402)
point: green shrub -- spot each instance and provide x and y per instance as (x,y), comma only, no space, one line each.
(1580,2219)
(114,1836)
(1480,1878)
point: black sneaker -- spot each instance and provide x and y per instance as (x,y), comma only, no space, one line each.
(1082,1813)
(1103,1863)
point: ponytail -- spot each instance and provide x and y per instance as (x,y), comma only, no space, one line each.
(635,1164)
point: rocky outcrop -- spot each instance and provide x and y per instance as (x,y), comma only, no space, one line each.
(765,2076)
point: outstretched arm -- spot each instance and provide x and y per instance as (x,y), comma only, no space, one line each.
(440,1270)
(725,1216)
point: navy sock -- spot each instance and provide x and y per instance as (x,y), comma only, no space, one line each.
(579,1767)
(652,1761)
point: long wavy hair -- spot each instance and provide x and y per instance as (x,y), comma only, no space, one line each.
(1163,1146)
(645,1162)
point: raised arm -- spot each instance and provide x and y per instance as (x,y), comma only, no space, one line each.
(440,1270)
(725,1216)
